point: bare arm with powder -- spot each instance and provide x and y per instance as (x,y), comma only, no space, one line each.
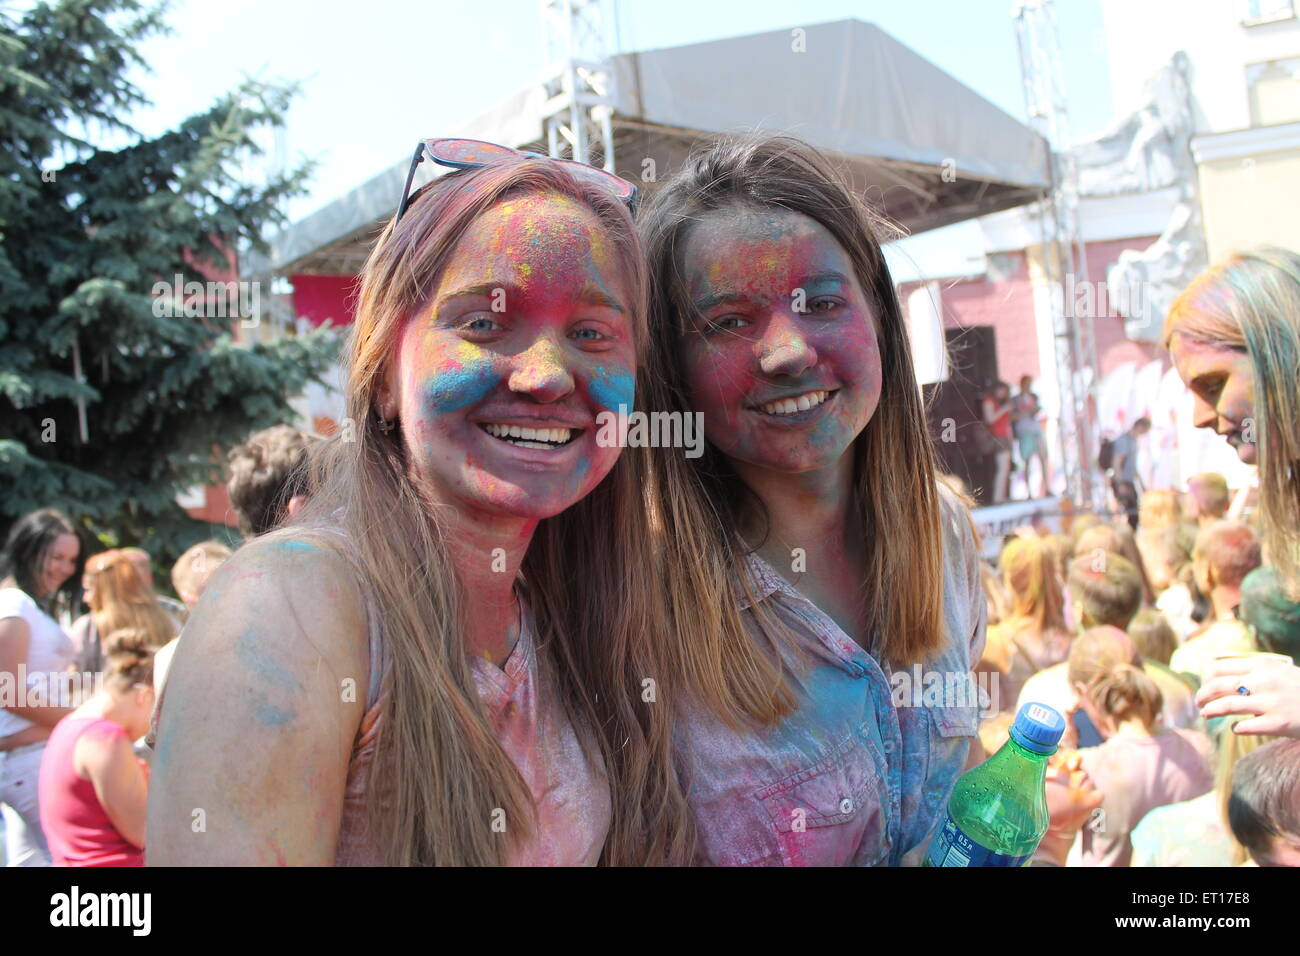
(255,731)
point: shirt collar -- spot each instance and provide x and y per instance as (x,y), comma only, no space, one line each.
(763,581)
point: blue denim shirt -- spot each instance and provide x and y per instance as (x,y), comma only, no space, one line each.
(850,778)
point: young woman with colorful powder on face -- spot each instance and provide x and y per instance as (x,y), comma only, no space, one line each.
(1234,337)
(811,553)
(435,663)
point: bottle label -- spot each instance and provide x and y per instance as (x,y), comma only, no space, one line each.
(952,847)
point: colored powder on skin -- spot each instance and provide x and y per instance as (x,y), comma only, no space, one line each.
(613,388)
(271,716)
(457,388)
(248,648)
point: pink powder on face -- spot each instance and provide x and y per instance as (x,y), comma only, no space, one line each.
(743,270)
(528,324)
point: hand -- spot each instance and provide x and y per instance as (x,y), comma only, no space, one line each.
(1071,795)
(1071,800)
(1273,704)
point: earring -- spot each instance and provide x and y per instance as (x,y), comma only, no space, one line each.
(385,424)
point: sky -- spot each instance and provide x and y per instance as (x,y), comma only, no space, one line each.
(379,75)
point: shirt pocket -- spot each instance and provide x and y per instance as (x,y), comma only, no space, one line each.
(835,812)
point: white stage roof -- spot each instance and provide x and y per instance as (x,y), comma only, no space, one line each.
(924,148)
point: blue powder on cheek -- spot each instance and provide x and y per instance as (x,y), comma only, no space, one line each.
(612,389)
(461,387)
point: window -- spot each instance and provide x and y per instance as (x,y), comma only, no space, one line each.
(1254,12)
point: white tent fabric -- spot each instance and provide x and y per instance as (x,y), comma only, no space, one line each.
(853,89)
(927,149)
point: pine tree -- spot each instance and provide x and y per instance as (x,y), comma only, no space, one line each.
(86,234)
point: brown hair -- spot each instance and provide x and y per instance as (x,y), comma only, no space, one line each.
(1210,491)
(1152,634)
(120,599)
(1029,575)
(1096,651)
(1160,509)
(702,503)
(1108,595)
(128,659)
(1265,799)
(1117,538)
(265,473)
(596,608)
(192,569)
(1230,549)
(1125,691)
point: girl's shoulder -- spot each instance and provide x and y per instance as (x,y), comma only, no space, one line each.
(297,580)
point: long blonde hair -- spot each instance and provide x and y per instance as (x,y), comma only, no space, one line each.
(1232,747)
(121,600)
(1036,594)
(440,771)
(1250,302)
(702,503)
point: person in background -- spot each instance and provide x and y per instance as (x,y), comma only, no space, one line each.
(996,411)
(119,598)
(1173,580)
(1264,808)
(40,570)
(1207,498)
(144,567)
(1104,598)
(1119,540)
(1152,634)
(1029,435)
(268,478)
(93,790)
(1033,635)
(1272,617)
(1195,832)
(1140,764)
(1124,474)
(85,638)
(1234,337)
(1225,553)
(1160,511)
(190,576)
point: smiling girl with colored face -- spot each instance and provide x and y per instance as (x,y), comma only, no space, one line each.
(437,662)
(812,558)
(1234,337)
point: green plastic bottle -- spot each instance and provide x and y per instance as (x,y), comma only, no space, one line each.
(997,814)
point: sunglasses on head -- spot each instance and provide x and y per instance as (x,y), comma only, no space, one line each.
(473,153)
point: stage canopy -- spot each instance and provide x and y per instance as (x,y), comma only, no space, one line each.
(925,149)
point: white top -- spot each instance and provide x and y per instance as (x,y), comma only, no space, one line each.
(162,660)
(49,652)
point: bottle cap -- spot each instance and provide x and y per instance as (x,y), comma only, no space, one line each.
(1038,728)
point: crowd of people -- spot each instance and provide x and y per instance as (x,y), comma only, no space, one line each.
(74,765)
(469,631)
(1118,631)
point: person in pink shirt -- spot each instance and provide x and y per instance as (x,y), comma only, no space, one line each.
(1140,765)
(93,788)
